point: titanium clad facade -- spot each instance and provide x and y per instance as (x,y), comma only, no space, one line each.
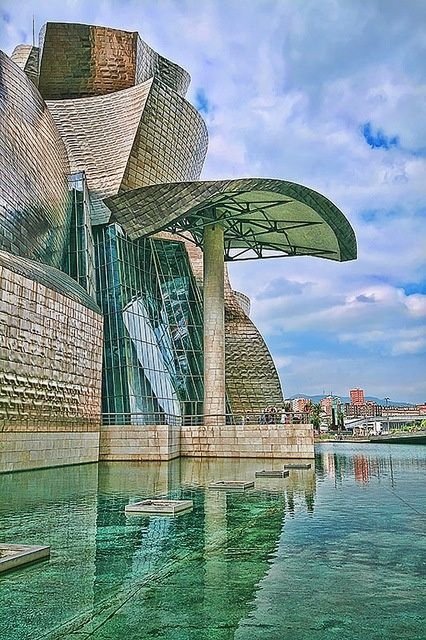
(34,199)
(132,138)
(170,144)
(252,381)
(99,134)
(79,60)
(26,57)
(50,350)
(152,332)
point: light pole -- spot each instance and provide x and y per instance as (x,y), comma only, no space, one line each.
(387,413)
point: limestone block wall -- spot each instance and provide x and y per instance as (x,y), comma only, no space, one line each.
(248,441)
(21,450)
(164,442)
(139,442)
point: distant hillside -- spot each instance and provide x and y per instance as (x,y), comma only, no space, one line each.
(343,399)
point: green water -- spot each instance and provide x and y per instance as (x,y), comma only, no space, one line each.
(338,552)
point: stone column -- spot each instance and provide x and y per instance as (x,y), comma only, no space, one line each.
(214,326)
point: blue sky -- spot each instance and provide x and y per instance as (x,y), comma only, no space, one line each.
(331,94)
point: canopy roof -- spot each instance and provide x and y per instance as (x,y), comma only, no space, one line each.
(261,218)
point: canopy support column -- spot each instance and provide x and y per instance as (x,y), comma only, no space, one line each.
(214,326)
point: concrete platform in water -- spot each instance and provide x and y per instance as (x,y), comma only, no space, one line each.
(159,507)
(17,555)
(231,485)
(272,474)
(298,465)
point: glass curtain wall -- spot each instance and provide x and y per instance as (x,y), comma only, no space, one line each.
(152,329)
(80,263)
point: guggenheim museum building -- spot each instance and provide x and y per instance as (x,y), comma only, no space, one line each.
(115,304)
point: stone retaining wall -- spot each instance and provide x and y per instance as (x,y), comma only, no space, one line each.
(37,449)
(20,451)
(139,442)
(248,441)
(163,442)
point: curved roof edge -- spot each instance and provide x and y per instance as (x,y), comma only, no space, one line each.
(49,277)
(180,206)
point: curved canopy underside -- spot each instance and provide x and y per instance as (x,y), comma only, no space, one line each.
(261,218)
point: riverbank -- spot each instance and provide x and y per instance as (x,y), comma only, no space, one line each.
(417,437)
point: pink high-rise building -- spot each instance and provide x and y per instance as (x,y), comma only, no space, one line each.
(300,405)
(327,405)
(357,396)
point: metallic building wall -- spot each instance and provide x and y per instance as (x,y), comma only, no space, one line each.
(99,134)
(34,197)
(170,144)
(149,64)
(252,381)
(78,60)
(50,350)
(26,57)
(132,138)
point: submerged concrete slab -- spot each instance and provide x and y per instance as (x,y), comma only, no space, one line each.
(297,465)
(271,474)
(231,484)
(159,507)
(17,555)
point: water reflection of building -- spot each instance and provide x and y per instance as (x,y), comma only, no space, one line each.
(229,538)
(216,555)
(58,509)
(361,468)
(329,464)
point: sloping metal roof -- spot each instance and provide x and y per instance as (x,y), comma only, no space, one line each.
(49,277)
(261,217)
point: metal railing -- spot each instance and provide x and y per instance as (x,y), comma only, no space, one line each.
(239,419)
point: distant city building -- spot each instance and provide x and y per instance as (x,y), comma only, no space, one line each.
(300,405)
(357,396)
(329,403)
(330,410)
(365,410)
(409,410)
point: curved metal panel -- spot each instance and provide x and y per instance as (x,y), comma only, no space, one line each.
(79,60)
(261,217)
(171,141)
(99,133)
(50,373)
(33,166)
(49,277)
(149,63)
(26,57)
(252,381)
(131,138)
